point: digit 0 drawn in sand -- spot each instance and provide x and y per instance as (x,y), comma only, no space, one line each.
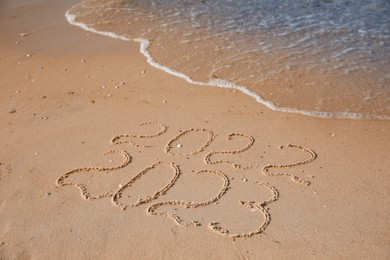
(151,210)
(214,226)
(84,192)
(117,139)
(312,154)
(250,143)
(210,138)
(158,193)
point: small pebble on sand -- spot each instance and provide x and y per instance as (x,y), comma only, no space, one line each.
(13,110)
(179,145)
(143,72)
(244,180)
(164,101)
(24,34)
(28,55)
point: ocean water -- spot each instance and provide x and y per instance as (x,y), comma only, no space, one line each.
(326,58)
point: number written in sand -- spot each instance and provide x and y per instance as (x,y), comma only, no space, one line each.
(119,139)
(165,173)
(313,156)
(85,193)
(260,206)
(249,143)
(119,194)
(193,131)
(189,204)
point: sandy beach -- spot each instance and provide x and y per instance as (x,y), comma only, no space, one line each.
(106,157)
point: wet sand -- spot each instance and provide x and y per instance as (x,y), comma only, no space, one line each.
(106,157)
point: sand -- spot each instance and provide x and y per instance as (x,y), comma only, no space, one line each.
(106,157)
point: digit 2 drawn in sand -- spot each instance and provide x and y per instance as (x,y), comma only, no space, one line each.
(118,199)
(250,139)
(84,192)
(117,139)
(312,154)
(190,204)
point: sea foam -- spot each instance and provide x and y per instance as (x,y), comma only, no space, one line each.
(145,43)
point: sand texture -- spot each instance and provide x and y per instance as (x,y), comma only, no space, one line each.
(106,157)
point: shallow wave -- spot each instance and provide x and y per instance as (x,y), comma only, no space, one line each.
(220,81)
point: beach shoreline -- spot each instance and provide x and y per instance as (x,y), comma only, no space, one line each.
(318,91)
(69,96)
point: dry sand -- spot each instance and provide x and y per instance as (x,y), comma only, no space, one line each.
(190,167)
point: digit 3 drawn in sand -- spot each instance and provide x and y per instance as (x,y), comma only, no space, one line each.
(151,210)
(118,195)
(312,154)
(214,226)
(210,138)
(84,192)
(250,139)
(117,139)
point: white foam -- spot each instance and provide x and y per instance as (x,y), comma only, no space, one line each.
(72,20)
(144,44)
